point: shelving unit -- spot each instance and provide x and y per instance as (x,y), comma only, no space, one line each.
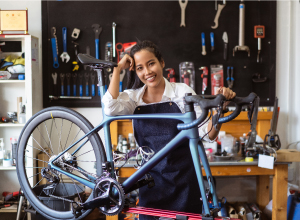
(30,91)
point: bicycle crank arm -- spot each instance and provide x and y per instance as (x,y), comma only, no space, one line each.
(95,203)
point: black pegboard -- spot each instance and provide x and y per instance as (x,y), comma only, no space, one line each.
(159,21)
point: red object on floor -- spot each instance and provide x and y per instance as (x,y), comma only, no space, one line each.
(167,213)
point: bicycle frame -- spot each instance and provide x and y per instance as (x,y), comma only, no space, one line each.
(195,144)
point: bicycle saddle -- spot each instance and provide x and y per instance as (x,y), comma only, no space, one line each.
(86,59)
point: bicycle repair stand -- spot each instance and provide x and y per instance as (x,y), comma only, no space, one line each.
(171,214)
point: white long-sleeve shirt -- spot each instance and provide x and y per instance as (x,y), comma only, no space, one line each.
(128,100)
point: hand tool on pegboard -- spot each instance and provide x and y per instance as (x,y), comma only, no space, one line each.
(54,77)
(62,79)
(68,76)
(212,41)
(54,47)
(171,74)
(80,76)
(75,35)
(86,77)
(97,30)
(88,52)
(183,7)
(93,77)
(259,33)
(204,77)
(119,48)
(230,78)
(225,40)
(203,43)
(74,76)
(122,74)
(114,38)
(109,54)
(219,10)
(256,77)
(64,56)
(241,46)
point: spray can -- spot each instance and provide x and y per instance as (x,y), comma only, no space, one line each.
(1,151)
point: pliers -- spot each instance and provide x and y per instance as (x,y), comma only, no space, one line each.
(230,78)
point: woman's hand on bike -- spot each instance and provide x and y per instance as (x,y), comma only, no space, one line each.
(228,93)
(126,62)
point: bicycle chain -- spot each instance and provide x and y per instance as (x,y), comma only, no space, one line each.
(68,200)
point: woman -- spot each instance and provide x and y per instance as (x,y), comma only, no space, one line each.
(176,187)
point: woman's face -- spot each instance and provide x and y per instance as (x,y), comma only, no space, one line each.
(148,68)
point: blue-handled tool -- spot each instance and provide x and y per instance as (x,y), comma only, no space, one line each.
(203,43)
(122,74)
(68,75)
(74,75)
(62,79)
(230,78)
(65,56)
(93,77)
(212,41)
(86,76)
(54,47)
(80,75)
(97,29)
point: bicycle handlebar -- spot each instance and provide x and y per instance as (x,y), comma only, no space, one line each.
(215,101)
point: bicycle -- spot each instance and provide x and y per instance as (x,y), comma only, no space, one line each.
(74,152)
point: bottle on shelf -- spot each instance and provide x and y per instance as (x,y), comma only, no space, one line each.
(14,149)
(131,141)
(120,140)
(124,146)
(2,151)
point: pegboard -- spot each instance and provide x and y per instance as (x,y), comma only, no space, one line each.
(159,21)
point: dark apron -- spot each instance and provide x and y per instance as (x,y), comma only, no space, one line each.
(176,186)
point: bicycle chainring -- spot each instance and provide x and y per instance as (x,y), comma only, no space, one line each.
(110,189)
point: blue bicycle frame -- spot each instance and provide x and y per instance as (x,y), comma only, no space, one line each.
(196,148)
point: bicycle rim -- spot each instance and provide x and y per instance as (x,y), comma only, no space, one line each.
(45,135)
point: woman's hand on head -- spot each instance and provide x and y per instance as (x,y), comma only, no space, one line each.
(228,93)
(126,62)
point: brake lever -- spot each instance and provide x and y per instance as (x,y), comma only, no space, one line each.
(216,117)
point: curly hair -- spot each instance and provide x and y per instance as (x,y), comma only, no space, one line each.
(133,81)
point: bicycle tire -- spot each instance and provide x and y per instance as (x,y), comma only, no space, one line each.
(38,122)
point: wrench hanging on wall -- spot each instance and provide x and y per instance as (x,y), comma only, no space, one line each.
(183,6)
(241,46)
(216,20)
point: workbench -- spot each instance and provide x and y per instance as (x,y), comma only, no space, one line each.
(237,168)
(236,128)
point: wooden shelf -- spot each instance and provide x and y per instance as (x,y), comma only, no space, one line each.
(12,81)
(13,208)
(11,125)
(8,168)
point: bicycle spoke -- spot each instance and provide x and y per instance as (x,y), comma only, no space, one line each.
(84,153)
(37,159)
(68,136)
(39,149)
(77,190)
(59,144)
(62,122)
(49,137)
(38,183)
(34,175)
(42,137)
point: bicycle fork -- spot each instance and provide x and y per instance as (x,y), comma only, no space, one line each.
(197,148)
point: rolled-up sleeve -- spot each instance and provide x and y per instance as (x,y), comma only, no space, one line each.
(123,105)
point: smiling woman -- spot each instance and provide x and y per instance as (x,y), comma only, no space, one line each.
(176,187)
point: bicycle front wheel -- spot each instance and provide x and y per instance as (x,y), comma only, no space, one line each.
(46,135)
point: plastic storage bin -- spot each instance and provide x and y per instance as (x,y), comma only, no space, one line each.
(54,203)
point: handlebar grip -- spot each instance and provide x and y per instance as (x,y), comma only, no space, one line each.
(238,102)
(205,105)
